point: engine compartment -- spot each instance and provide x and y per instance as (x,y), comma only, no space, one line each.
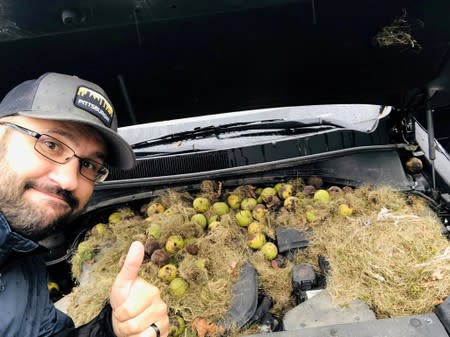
(353,172)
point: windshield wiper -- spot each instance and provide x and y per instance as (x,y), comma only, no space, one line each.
(289,127)
(157,154)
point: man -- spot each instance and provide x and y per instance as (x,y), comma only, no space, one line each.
(56,135)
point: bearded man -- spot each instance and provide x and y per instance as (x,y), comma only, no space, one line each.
(58,135)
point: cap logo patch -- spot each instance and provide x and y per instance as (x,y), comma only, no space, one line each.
(95,103)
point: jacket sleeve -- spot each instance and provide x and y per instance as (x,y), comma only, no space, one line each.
(100,326)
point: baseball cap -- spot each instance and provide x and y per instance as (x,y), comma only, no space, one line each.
(69,98)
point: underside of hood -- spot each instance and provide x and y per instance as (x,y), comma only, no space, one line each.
(167,59)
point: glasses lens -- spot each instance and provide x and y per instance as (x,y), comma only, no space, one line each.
(93,171)
(59,152)
(53,149)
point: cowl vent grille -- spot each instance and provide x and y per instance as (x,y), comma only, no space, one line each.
(178,164)
(172,165)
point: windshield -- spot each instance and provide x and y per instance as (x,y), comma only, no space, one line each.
(359,117)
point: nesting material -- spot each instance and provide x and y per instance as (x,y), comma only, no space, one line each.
(399,33)
(391,254)
(383,247)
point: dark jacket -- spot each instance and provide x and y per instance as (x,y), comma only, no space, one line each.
(25,306)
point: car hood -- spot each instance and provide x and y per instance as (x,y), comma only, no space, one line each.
(161,60)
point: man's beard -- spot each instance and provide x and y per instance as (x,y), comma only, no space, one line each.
(26,218)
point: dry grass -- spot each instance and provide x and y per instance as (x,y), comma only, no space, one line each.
(399,34)
(389,252)
(386,256)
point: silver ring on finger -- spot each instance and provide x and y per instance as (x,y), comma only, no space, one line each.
(157,331)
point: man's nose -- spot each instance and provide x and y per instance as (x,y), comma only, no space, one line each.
(66,175)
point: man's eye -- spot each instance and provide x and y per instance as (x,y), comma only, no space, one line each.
(51,145)
(88,165)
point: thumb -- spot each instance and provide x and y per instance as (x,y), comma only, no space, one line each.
(127,274)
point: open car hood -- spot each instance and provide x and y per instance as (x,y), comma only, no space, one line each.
(161,60)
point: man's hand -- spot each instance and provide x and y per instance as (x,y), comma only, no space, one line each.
(136,303)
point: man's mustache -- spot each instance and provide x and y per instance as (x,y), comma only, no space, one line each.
(64,194)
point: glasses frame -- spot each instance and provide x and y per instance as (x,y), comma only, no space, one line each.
(100,176)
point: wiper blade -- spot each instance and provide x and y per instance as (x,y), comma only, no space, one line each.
(190,134)
(150,154)
(202,132)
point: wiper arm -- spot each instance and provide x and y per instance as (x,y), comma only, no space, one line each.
(190,134)
(150,154)
(201,132)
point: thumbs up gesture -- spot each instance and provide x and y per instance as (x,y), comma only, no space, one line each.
(136,303)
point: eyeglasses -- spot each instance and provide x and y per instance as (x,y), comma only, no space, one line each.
(58,152)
